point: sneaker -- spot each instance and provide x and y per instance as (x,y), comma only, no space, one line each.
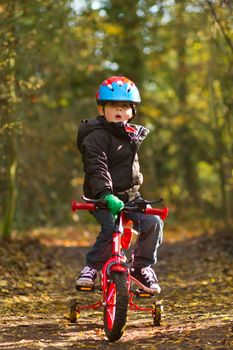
(87,277)
(146,279)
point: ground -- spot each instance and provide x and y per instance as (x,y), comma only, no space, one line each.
(37,283)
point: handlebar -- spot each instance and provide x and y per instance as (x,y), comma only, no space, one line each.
(162,213)
(82,206)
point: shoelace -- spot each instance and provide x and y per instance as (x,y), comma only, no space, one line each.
(149,274)
(88,270)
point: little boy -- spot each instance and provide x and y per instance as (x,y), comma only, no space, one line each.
(109,146)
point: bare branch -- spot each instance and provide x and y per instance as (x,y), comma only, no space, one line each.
(217,20)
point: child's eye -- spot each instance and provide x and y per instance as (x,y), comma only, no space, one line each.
(123,105)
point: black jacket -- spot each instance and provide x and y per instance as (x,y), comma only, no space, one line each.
(110,158)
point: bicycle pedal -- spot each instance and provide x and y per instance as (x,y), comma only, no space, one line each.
(85,289)
(140,293)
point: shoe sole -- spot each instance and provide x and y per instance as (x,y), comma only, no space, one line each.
(147,289)
(85,284)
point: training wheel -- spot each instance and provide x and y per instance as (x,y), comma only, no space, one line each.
(157,311)
(73,311)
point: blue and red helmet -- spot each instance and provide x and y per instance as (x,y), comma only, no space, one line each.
(118,88)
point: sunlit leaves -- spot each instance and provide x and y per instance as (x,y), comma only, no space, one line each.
(52,61)
(112,29)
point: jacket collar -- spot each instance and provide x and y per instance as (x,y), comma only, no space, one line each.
(136,133)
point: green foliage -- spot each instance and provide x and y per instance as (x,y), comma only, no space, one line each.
(52,60)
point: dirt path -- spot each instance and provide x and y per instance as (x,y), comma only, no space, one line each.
(37,282)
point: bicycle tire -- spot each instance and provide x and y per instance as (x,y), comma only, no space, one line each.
(115,312)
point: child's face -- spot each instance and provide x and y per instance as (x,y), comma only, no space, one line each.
(116,111)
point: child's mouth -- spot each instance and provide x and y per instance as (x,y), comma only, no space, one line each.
(118,116)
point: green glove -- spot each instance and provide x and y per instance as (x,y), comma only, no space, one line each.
(114,204)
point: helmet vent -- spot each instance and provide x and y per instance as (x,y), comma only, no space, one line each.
(120,82)
(110,87)
(129,87)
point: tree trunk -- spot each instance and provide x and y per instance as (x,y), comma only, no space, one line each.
(7,127)
(184,137)
(222,136)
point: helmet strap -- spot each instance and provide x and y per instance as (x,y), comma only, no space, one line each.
(134,111)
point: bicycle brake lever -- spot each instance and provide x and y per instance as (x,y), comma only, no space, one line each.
(100,203)
(154,202)
(89,200)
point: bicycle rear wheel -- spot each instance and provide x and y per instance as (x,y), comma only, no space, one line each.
(115,310)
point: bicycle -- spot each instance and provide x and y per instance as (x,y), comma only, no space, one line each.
(117,293)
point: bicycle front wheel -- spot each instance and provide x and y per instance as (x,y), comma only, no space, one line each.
(115,310)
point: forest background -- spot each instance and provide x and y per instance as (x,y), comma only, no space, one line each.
(53,56)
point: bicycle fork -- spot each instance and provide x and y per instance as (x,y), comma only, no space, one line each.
(116,263)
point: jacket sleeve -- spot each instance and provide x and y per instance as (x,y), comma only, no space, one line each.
(95,159)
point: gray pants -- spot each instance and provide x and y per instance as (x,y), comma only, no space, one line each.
(150,228)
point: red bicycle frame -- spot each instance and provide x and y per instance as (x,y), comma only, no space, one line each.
(117,295)
(120,239)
